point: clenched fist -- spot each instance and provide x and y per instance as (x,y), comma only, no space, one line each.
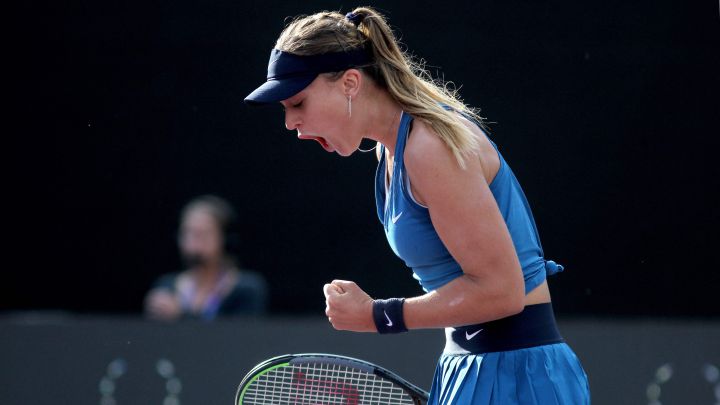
(348,307)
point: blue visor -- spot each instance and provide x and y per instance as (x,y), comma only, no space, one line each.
(288,74)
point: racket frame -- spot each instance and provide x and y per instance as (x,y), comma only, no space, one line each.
(418,395)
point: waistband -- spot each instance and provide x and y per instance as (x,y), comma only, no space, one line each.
(534,326)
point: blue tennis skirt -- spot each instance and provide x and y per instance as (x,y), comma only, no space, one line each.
(547,374)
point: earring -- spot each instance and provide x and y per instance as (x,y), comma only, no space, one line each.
(349,106)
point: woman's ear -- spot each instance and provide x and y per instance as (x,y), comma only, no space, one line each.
(351,81)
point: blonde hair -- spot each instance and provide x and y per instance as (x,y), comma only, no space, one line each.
(405,79)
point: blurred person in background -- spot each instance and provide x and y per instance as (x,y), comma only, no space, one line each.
(211,285)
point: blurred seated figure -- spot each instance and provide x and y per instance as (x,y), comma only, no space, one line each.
(212,285)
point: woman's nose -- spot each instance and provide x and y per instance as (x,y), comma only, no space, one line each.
(291,121)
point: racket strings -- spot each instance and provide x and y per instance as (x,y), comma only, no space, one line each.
(315,384)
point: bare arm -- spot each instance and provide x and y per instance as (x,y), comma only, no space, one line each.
(468,221)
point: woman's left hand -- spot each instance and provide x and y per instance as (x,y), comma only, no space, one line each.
(348,307)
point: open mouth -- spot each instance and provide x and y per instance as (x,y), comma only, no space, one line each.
(324,143)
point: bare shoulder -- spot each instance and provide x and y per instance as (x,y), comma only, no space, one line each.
(424,147)
(433,169)
(426,151)
(427,154)
(472,126)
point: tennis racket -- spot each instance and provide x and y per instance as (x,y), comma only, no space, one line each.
(324,379)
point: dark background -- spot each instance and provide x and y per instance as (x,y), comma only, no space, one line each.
(121,112)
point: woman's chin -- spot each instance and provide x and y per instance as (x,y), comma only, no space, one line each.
(344,153)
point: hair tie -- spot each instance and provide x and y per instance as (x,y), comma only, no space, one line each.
(354,18)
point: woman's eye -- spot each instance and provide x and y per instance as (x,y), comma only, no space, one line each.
(297,105)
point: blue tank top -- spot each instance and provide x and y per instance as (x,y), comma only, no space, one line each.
(413,238)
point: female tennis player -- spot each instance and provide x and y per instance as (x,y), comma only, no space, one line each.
(451,207)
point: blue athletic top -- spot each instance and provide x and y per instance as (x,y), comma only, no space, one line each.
(413,238)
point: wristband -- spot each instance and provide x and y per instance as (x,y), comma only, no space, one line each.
(388,315)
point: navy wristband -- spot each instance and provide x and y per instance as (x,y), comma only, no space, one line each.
(388,315)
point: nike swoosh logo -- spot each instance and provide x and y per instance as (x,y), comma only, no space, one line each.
(396,217)
(469,336)
(388,318)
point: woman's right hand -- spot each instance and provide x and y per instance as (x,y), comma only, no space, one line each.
(162,305)
(348,307)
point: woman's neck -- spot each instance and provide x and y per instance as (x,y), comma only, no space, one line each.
(383,118)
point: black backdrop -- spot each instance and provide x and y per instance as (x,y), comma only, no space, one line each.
(124,111)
